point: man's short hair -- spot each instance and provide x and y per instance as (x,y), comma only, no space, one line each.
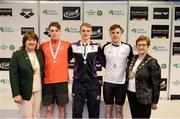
(114,26)
(55,24)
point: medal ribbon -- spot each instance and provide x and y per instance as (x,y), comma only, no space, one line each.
(57,50)
(84,52)
(115,56)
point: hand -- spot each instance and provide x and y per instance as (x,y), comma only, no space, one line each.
(18,99)
(99,45)
(153,106)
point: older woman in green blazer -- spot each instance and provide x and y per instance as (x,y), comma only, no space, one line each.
(26,75)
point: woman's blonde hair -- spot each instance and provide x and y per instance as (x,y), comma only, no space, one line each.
(143,38)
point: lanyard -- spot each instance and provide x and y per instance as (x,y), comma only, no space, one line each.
(84,52)
(57,50)
(115,56)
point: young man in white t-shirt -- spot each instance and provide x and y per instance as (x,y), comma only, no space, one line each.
(116,55)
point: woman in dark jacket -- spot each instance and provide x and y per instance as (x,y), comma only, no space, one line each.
(26,74)
(143,74)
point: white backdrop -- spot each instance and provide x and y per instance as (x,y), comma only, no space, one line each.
(148,19)
(53,11)
(175,53)
(105,14)
(24,18)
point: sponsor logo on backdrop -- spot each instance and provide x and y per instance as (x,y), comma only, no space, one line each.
(116,12)
(26,13)
(139,13)
(138,30)
(163,84)
(50,12)
(6,29)
(176,65)
(11,47)
(175,97)
(177,13)
(4,81)
(163,66)
(91,12)
(26,29)
(177,31)
(94,13)
(99,13)
(3,46)
(160,31)
(176,82)
(71,13)
(71,30)
(5,12)
(4,64)
(159,48)
(161,13)
(97,33)
(46,32)
(7,47)
(176,48)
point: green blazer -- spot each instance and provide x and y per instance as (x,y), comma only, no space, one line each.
(21,73)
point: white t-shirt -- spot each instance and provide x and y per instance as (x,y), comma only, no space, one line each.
(132,83)
(116,62)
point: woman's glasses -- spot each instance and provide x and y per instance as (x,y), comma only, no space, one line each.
(141,45)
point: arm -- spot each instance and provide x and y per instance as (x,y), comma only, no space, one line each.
(70,53)
(155,74)
(14,79)
(130,54)
(101,57)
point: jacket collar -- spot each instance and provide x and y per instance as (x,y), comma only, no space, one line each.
(146,59)
(26,57)
(79,43)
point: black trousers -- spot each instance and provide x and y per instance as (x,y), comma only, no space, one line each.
(86,92)
(137,109)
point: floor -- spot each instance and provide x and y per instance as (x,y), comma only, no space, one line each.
(166,109)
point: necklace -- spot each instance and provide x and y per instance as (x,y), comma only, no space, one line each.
(115,56)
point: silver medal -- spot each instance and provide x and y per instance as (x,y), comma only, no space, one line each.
(85,62)
(84,52)
(115,56)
